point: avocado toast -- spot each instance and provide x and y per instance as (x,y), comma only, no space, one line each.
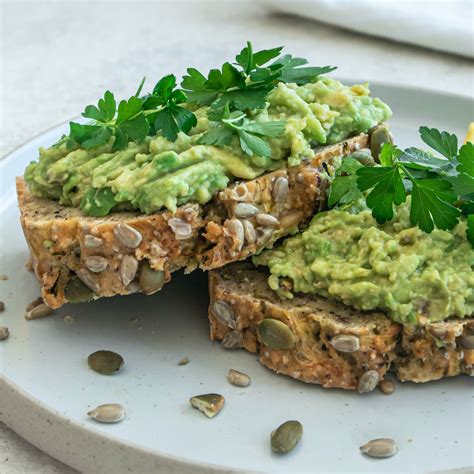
(184,178)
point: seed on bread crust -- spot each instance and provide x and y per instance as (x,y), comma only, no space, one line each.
(345,343)
(92,241)
(150,281)
(76,291)
(88,280)
(128,235)
(280,189)
(466,341)
(268,220)
(35,302)
(275,334)
(249,232)
(368,381)
(96,264)
(182,229)
(224,313)
(232,340)
(128,269)
(244,209)
(236,229)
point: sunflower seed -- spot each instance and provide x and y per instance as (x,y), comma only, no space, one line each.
(184,361)
(128,235)
(210,404)
(35,302)
(280,189)
(224,313)
(380,448)
(438,332)
(96,264)
(236,229)
(291,219)
(108,413)
(92,241)
(77,292)
(286,436)
(39,311)
(268,220)
(466,341)
(368,381)
(275,334)
(2,306)
(4,333)
(345,343)
(88,280)
(238,379)
(150,281)
(105,362)
(232,340)
(243,209)
(387,386)
(128,269)
(182,229)
(249,232)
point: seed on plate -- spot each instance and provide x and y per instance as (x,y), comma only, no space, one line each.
(39,311)
(236,229)
(182,230)
(275,334)
(96,264)
(3,277)
(345,343)
(108,413)
(286,436)
(2,306)
(184,361)
(4,333)
(35,302)
(238,378)
(210,404)
(232,340)
(92,241)
(224,313)
(249,232)
(243,209)
(387,386)
(105,362)
(68,319)
(128,269)
(380,448)
(149,280)
(280,189)
(127,235)
(368,381)
(267,220)
(77,292)
(466,341)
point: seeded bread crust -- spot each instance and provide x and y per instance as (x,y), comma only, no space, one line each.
(106,253)
(414,354)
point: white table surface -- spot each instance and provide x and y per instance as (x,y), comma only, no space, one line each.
(58,57)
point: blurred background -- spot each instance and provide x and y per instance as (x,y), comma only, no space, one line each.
(58,56)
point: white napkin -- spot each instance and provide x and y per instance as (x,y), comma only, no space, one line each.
(446,25)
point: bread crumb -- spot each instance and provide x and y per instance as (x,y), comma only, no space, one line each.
(3,277)
(68,319)
(2,306)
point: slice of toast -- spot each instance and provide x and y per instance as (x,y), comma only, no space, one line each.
(321,352)
(109,254)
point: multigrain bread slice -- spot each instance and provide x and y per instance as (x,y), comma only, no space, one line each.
(109,254)
(331,344)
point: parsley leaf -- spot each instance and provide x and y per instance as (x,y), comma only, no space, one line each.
(388,190)
(432,204)
(292,72)
(466,159)
(443,142)
(388,153)
(416,158)
(344,185)
(470,229)
(253,145)
(219,136)
(105,110)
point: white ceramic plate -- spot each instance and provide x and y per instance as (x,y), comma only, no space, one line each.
(46,387)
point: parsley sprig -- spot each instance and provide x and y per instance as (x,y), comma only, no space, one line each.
(441,187)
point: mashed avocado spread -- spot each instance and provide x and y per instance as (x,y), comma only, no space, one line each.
(411,275)
(158,173)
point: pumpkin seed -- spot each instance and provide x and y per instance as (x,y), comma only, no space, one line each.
(232,340)
(210,404)
(280,189)
(4,333)
(108,413)
(39,311)
(345,343)
(275,334)
(363,158)
(88,280)
(466,341)
(368,381)
(249,232)
(224,313)
(96,264)
(378,136)
(286,436)
(127,235)
(92,241)
(2,306)
(105,362)
(128,269)
(35,302)
(380,448)
(182,229)
(243,209)
(184,361)
(238,379)
(267,220)
(150,281)
(387,386)
(236,229)
(76,292)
